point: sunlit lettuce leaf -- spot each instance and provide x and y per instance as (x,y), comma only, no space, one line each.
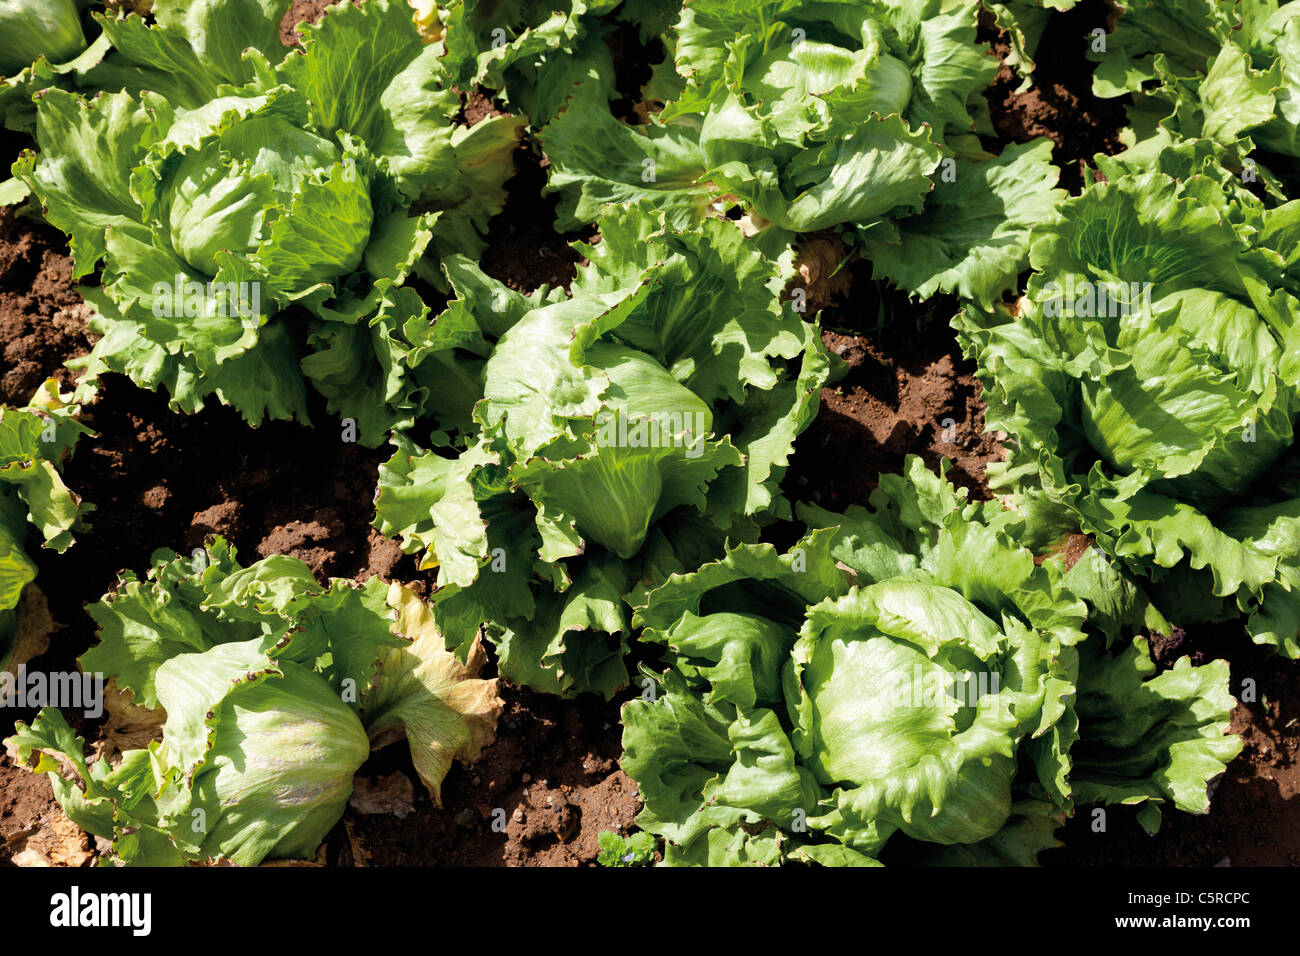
(532,53)
(421,691)
(973,236)
(259,197)
(1151,379)
(860,118)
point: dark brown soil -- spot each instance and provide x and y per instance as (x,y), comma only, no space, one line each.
(524,250)
(1060,105)
(908,391)
(1254,817)
(634,64)
(539,796)
(42,318)
(160,479)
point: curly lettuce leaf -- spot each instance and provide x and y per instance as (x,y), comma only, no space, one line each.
(615,435)
(1149,382)
(1148,739)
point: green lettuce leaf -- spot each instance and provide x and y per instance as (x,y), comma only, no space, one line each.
(1149,384)
(1149,739)
(857,118)
(251,208)
(34,443)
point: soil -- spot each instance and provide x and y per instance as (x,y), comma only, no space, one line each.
(302,11)
(907,390)
(524,250)
(542,793)
(539,796)
(42,318)
(634,63)
(25,798)
(477,106)
(160,479)
(1060,105)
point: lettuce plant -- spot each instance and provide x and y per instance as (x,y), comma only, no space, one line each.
(270,689)
(257,214)
(1150,382)
(904,674)
(854,116)
(34,442)
(531,53)
(616,434)
(1227,73)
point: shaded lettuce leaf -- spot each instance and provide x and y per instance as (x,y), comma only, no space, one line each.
(1030,829)
(1184,33)
(34,442)
(1150,739)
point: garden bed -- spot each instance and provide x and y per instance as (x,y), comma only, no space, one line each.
(160,479)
